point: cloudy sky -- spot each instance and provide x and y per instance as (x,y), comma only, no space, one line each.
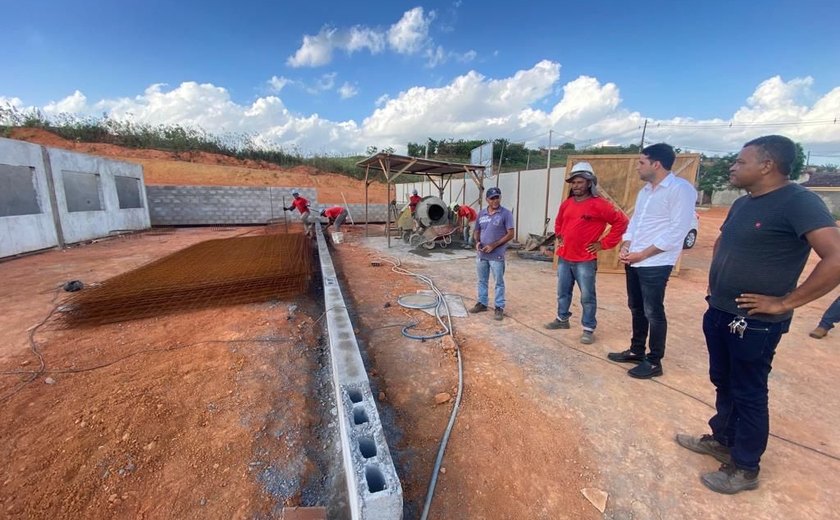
(337,77)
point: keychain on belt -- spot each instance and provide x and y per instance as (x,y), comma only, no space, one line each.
(738,325)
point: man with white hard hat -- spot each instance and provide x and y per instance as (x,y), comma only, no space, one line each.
(579,230)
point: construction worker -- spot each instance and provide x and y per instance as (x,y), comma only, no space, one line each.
(579,230)
(336,214)
(302,205)
(493,231)
(465,216)
(413,201)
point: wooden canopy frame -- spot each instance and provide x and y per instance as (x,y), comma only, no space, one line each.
(439,174)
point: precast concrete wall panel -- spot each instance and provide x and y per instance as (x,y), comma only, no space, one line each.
(78,179)
(34,229)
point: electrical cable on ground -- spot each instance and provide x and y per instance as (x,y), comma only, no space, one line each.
(42,368)
(446,332)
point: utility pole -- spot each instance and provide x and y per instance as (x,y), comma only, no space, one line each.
(548,176)
(642,145)
(808,159)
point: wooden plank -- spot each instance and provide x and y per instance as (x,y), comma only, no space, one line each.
(618,182)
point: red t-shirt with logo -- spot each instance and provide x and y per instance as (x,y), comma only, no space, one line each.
(580,223)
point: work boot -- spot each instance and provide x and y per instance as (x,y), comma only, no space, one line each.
(706,445)
(818,333)
(730,479)
(646,370)
(478,307)
(557,324)
(588,337)
(628,356)
(499,314)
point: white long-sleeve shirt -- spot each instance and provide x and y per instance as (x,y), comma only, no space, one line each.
(662,218)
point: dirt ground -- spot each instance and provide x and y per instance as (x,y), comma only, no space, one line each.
(544,416)
(226,413)
(207,414)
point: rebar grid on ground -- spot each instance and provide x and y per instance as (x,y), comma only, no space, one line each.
(214,273)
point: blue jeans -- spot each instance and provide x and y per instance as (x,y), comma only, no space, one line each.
(739,367)
(584,274)
(483,268)
(646,299)
(831,316)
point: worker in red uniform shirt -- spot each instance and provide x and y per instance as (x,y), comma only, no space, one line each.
(336,214)
(413,200)
(579,230)
(302,205)
(465,216)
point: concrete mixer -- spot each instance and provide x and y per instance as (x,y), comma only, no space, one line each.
(434,223)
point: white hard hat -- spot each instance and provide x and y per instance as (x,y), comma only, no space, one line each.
(580,167)
(584,169)
(414,192)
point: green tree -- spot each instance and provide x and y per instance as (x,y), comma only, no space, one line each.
(714,173)
(799,163)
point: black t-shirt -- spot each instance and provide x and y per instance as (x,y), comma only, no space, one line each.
(762,247)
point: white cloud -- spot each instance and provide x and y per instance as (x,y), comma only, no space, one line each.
(73,103)
(346,91)
(364,38)
(325,82)
(526,104)
(411,33)
(276,83)
(315,50)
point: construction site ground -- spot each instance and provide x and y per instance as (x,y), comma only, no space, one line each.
(226,412)
(221,413)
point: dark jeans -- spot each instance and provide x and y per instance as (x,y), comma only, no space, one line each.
(646,299)
(738,367)
(831,316)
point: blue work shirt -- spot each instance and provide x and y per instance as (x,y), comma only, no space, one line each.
(492,228)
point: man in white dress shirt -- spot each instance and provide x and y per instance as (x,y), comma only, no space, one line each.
(652,244)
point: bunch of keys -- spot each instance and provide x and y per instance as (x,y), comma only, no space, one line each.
(738,326)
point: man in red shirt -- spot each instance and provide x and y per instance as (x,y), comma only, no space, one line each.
(336,214)
(413,200)
(302,205)
(579,230)
(465,215)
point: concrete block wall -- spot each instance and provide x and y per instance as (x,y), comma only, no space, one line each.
(229,205)
(373,489)
(52,224)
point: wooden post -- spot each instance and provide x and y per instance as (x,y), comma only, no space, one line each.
(367,173)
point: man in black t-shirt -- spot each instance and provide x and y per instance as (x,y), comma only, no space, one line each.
(758,257)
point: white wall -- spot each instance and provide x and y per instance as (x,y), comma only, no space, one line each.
(86,225)
(529,200)
(22,233)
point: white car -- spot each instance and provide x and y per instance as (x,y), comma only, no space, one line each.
(691,237)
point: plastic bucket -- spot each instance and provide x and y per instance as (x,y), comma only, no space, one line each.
(338,237)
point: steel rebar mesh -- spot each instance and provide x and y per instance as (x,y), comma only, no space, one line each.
(230,271)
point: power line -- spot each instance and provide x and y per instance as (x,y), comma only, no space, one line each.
(748,124)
